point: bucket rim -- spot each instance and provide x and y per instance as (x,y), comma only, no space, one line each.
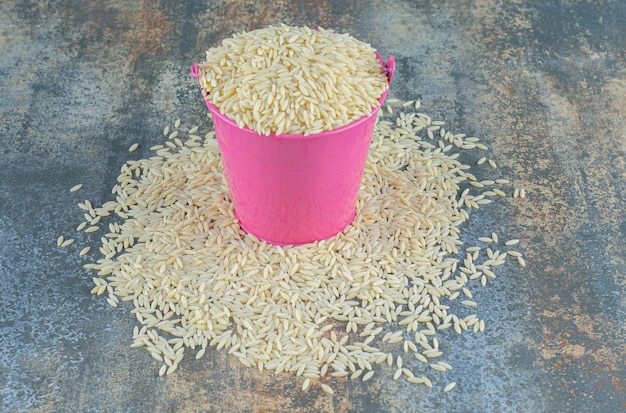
(388,67)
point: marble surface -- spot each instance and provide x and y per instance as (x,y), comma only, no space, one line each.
(543,84)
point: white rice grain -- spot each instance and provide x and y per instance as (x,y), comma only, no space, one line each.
(397,374)
(449,387)
(327,389)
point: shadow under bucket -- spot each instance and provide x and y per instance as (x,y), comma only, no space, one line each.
(295,189)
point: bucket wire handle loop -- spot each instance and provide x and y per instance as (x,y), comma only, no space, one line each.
(390,67)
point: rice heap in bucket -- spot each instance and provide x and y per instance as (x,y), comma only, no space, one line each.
(380,292)
(293,80)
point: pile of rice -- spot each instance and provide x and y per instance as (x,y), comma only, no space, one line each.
(292,80)
(382,291)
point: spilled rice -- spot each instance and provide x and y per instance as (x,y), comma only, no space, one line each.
(385,286)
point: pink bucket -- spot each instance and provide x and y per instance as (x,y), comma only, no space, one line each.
(295,189)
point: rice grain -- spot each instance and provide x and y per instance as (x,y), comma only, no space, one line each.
(449,387)
(327,389)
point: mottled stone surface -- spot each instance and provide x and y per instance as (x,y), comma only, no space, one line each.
(542,83)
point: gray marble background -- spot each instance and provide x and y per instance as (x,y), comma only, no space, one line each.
(542,83)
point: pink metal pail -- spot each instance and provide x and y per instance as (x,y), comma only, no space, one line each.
(295,189)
